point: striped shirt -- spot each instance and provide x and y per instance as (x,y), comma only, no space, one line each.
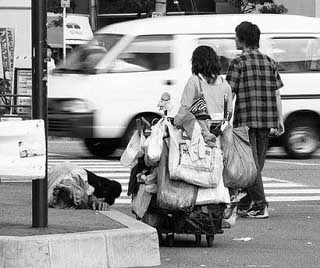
(254,79)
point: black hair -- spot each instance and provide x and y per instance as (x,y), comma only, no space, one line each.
(206,62)
(249,34)
(48,46)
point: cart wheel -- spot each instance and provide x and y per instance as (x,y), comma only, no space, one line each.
(198,240)
(210,239)
(170,240)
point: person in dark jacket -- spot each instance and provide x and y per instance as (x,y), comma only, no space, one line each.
(70,186)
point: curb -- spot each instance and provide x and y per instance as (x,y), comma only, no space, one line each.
(134,246)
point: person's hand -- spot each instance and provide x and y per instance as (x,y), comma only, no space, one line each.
(280,129)
(100,205)
(97,204)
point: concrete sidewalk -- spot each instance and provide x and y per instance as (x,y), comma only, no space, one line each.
(74,238)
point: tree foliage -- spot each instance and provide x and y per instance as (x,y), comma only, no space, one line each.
(273,8)
(126,6)
(266,6)
(147,6)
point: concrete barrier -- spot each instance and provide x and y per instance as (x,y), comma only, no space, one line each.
(134,246)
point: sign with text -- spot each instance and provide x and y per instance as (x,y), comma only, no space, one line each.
(65,3)
(7,56)
(22,149)
(23,80)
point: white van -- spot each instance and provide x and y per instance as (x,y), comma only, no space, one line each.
(119,76)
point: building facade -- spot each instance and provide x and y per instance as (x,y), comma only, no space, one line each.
(106,13)
(309,8)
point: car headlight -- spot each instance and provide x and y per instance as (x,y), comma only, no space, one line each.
(74,106)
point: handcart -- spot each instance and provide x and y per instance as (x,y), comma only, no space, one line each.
(197,220)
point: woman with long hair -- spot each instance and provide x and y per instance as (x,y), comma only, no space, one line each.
(205,91)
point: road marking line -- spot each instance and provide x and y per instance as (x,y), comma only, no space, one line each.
(293,191)
(267,179)
(86,160)
(283,185)
(292,198)
(293,163)
(277,190)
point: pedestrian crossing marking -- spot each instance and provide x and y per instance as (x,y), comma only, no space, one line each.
(293,191)
(277,190)
(293,163)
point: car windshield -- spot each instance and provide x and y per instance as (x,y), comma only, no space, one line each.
(85,58)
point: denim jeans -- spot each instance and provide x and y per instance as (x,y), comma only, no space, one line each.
(259,140)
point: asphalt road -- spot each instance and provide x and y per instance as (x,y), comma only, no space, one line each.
(288,239)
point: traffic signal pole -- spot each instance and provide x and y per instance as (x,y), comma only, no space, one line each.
(39,105)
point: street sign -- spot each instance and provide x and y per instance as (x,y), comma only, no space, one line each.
(65,3)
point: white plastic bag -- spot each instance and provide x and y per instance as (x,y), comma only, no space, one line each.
(217,195)
(240,170)
(183,165)
(134,149)
(141,201)
(156,140)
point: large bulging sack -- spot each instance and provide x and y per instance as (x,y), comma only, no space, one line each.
(174,195)
(193,164)
(240,170)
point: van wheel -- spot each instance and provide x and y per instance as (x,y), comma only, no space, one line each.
(101,147)
(301,138)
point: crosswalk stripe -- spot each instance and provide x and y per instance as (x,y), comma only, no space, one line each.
(283,185)
(293,191)
(292,198)
(277,190)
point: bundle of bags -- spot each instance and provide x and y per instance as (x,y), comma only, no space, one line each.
(188,171)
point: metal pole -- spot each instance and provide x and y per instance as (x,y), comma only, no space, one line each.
(39,105)
(93,14)
(64,34)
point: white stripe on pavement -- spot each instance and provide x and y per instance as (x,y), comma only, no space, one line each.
(293,191)
(283,185)
(292,198)
(94,169)
(266,179)
(85,160)
(113,175)
(277,190)
(293,163)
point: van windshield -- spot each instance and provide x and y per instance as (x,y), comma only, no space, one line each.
(84,58)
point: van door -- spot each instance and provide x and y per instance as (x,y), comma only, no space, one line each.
(133,83)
